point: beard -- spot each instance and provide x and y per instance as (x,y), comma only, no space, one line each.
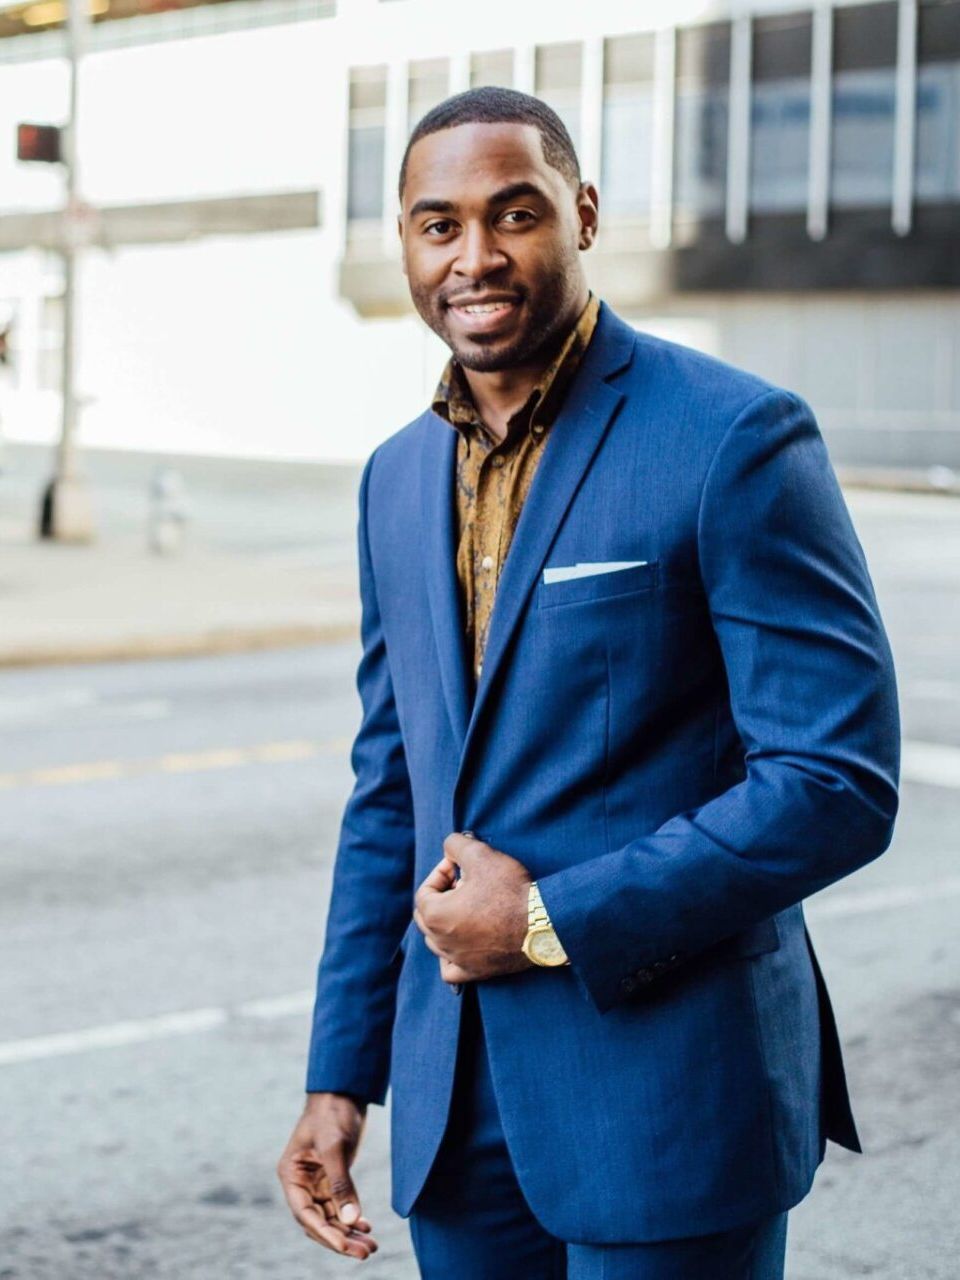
(548,317)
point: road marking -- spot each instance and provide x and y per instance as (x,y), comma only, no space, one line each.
(112,1035)
(297,1003)
(931,763)
(175,762)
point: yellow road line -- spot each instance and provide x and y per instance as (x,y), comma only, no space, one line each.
(175,762)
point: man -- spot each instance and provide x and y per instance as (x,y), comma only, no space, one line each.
(623,669)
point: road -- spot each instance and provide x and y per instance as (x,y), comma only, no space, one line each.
(167,830)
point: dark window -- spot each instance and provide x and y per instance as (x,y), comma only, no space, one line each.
(429,84)
(558,75)
(701,121)
(365,151)
(627,125)
(780,113)
(937,171)
(864,105)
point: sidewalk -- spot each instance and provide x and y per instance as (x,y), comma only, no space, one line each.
(269,561)
(76,604)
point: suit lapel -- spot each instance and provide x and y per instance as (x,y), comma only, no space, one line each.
(443,590)
(573,440)
(569,449)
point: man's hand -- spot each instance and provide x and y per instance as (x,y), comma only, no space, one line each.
(475,925)
(314,1172)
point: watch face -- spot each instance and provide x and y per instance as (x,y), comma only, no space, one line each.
(545,948)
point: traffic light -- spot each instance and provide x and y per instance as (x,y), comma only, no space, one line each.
(39,142)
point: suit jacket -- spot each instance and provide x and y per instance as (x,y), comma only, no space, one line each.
(680,752)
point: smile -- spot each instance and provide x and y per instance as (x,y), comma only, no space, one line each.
(485,317)
(484,308)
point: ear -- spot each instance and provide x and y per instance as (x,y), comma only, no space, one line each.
(588,212)
(403,247)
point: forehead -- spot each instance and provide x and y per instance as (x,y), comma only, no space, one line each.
(470,160)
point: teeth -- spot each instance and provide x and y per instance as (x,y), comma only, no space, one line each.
(481,308)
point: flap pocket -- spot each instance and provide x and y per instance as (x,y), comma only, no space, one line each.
(598,586)
(758,939)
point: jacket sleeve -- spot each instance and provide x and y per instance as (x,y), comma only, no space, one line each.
(813,698)
(372,892)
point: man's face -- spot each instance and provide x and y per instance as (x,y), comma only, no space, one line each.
(491,236)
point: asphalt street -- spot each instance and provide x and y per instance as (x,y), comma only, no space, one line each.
(167,832)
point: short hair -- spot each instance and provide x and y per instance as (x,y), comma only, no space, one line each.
(490,104)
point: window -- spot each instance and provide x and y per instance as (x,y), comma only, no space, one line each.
(429,85)
(627,126)
(780,113)
(557,80)
(937,174)
(864,105)
(365,160)
(495,67)
(701,120)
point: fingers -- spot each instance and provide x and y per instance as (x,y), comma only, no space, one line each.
(343,1193)
(441,879)
(316,1214)
(452,973)
(461,848)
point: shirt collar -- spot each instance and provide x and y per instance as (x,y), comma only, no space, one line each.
(453,402)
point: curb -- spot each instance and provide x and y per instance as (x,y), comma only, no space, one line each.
(202,644)
(936,481)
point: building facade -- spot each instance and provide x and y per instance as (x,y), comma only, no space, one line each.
(779,184)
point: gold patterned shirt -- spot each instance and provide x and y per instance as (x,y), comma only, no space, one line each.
(493,478)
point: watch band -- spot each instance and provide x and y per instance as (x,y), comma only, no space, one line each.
(538,919)
(536,911)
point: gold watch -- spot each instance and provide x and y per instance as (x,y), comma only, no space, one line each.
(541,945)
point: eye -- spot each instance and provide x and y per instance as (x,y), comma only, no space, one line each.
(517,217)
(439,227)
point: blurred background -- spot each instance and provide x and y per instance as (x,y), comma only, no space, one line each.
(204,330)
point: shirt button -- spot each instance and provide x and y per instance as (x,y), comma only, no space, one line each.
(487,562)
(497,461)
(538,430)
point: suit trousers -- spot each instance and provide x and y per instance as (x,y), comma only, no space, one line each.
(471,1220)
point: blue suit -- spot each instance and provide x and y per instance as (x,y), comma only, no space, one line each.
(680,752)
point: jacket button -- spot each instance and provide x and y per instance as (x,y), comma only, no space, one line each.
(628,986)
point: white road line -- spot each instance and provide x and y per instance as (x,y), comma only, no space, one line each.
(111,1035)
(300,1002)
(931,763)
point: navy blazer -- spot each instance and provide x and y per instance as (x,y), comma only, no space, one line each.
(680,752)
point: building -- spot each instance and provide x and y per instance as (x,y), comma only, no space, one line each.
(780,185)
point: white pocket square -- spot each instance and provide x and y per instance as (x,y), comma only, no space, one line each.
(585,570)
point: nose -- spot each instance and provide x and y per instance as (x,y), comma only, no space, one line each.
(479,255)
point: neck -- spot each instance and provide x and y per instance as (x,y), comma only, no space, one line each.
(501,392)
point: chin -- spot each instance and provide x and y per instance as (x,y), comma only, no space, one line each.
(491,357)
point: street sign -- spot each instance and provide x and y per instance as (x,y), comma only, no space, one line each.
(39,143)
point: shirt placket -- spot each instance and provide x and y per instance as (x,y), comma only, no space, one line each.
(491,515)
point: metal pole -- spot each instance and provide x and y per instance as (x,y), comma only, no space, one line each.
(906,117)
(738,144)
(821,111)
(67,510)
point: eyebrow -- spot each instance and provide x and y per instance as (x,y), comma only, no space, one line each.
(429,204)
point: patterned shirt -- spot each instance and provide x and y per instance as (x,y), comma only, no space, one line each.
(493,478)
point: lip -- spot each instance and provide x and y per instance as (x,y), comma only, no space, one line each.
(507,306)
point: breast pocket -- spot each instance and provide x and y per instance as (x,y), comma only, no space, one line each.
(598,586)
